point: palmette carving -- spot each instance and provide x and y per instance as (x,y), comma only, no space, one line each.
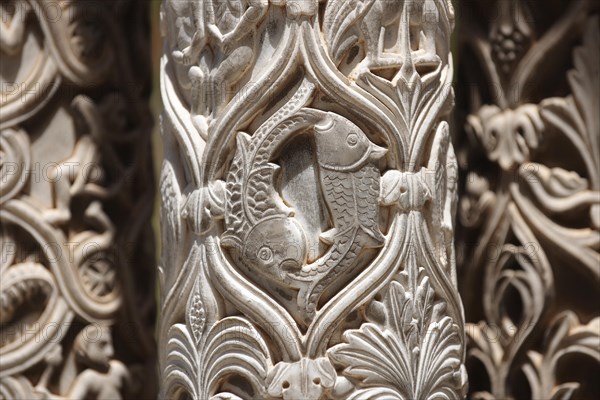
(312,203)
(409,340)
(531,198)
(74,237)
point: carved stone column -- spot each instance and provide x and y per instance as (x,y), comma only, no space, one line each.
(308,195)
(530,203)
(76,194)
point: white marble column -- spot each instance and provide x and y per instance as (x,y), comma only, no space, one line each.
(530,204)
(308,195)
(76,192)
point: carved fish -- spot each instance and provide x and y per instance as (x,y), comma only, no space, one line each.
(262,228)
(349,177)
(259,224)
(350,181)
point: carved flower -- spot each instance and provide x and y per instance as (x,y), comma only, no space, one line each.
(98,275)
(508,136)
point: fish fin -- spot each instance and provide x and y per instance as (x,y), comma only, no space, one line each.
(329,236)
(279,203)
(275,168)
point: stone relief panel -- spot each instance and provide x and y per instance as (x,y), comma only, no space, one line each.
(529,213)
(307,200)
(76,268)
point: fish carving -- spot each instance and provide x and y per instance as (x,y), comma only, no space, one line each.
(350,179)
(261,227)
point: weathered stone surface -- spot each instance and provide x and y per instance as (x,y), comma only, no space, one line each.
(76,267)
(530,203)
(308,195)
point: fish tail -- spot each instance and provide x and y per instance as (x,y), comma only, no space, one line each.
(334,264)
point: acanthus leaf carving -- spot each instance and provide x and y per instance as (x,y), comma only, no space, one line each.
(204,350)
(411,348)
(566,336)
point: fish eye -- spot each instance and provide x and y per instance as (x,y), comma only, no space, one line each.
(265,254)
(352,139)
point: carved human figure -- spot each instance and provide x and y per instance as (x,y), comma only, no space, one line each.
(76,179)
(102,378)
(84,170)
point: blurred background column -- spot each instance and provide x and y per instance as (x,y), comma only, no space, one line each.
(77,250)
(528,247)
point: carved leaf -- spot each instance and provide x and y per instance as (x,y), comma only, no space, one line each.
(340,24)
(234,211)
(566,336)
(415,103)
(15,160)
(233,346)
(557,189)
(181,371)
(414,354)
(585,82)
(577,116)
(170,222)
(375,393)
